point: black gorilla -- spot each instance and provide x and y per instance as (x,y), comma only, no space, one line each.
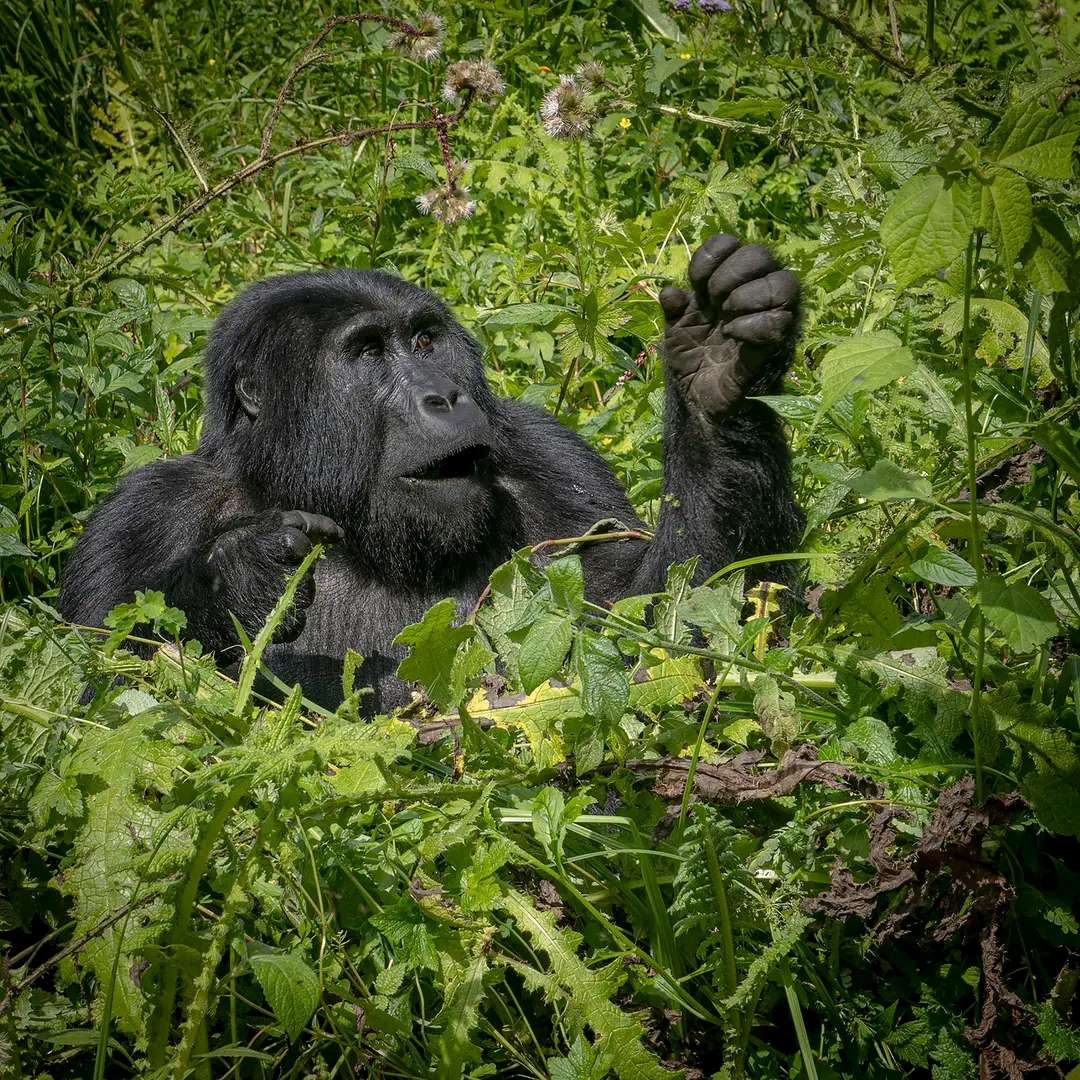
(350,406)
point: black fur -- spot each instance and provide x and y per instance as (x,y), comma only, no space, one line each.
(350,408)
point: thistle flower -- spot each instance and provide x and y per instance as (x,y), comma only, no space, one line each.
(425,44)
(592,72)
(447,204)
(1047,16)
(479,76)
(680,5)
(710,7)
(567,112)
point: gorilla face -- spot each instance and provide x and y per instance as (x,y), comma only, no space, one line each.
(359,396)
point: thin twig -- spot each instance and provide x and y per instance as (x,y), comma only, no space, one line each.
(71,948)
(845,26)
(439,122)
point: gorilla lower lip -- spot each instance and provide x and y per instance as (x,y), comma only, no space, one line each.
(457,466)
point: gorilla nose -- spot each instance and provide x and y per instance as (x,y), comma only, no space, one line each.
(447,404)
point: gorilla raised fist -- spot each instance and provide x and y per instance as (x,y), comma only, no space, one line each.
(350,408)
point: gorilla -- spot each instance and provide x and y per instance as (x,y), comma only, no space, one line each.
(350,408)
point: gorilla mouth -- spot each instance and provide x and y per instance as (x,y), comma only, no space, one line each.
(457,466)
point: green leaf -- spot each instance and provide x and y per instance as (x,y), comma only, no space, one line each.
(527,315)
(1005,212)
(544,650)
(1025,617)
(290,986)
(433,644)
(567,583)
(944,567)
(1055,800)
(458,1017)
(590,987)
(886,480)
(1034,139)
(605,685)
(865,362)
(926,227)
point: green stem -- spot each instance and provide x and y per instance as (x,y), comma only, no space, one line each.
(967,359)
(723,911)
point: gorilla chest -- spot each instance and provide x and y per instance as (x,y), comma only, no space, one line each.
(351,612)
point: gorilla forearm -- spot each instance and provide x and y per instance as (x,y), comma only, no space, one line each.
(726,493)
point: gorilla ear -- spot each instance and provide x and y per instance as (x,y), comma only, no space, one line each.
(248,393)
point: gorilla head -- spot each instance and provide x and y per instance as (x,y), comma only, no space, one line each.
(356,396)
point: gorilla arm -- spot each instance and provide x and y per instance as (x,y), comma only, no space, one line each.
(184,528)
(727,471)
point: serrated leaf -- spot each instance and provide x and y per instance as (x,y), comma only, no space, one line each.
(1034,139)
(944,567)
(865,362)
(1005,211)
(590,989)
(926,227)
(605,684)
(668,683)
(433,643)
(544,650)
(460,1014)
(567,583)
(290,986)
(886,480)
(546,315)
(1025,617)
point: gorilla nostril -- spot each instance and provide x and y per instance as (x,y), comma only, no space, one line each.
(438,403)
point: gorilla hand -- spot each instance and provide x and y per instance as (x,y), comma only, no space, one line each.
(732,334)
(250,564)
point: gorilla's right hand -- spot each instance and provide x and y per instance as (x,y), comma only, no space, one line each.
(250,564)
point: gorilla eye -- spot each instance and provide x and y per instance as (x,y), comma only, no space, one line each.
(422,341)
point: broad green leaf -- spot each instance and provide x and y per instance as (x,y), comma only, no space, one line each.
(1061,442)
(886,480)
(605,684)
(548,819)
(567,583)
(926,227)
(433,643)
(1005,319)
(944,567)
(544,650)
(1050,254)
(668,683)
(866,362)
(290,986)
(1034,139)
(1005,211)
(1025,617)
(1056,802)
(12,546)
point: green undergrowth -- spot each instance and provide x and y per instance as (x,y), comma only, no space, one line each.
(831,833)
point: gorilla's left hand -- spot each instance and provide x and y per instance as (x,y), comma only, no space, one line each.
(732,334)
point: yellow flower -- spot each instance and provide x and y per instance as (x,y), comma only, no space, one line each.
(624,122)
(684,56)
(211,61)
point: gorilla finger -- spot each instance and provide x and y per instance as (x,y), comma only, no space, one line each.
(674,302)
(296,544)
(322,530)
(708,257)
(749,262)
(762,327)
(776,290)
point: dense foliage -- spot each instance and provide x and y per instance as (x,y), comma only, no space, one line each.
(828,835)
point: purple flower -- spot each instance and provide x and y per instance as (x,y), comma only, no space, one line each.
(680,5)
(711,6)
